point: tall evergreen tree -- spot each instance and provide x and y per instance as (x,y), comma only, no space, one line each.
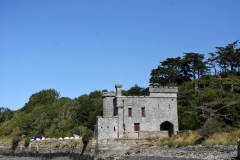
(196,62)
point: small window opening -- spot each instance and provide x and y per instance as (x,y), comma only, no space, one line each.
(129,112)
(143,112)
(114,128)
(136,126)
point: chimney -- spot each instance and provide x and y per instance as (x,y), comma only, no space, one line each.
(118,89)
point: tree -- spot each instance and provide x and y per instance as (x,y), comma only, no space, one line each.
(134,91)
(92,118)
(197,65)
(212,61)
(229,56)
(5,114)
(172,66)
(43,97)
(15,142)
(26,126)
(159,76)
(185,72)
(167,72)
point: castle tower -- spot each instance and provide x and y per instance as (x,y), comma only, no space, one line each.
(108,107)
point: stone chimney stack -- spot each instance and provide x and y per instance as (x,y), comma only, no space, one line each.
(118,89)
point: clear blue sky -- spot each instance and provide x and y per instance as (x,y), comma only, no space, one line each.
(77,46)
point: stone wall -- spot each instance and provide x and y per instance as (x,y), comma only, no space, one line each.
(50,146)
(145,134)
(107,128)
(152,90)
(157,111)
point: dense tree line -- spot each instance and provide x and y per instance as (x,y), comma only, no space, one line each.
(194,65)
(47,113)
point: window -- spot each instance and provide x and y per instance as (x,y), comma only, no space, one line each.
(143,112)
(129,112)
(136,126)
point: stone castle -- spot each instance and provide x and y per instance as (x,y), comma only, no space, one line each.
(135,117)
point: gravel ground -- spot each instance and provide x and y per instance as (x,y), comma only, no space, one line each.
(156,158)
(66,158)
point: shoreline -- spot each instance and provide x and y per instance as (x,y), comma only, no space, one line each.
(114,150)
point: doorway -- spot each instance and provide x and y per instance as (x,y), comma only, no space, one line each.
(167,126)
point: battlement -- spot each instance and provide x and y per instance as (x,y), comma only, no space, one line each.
(158,89)
(108,94)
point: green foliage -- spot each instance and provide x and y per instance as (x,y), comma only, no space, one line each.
(8,131)
(133,91)
(178,70)
(209,97)
(41,98)
(87,136)
(188,118)
(5,114)
(210,127)
(234,115)
(228,58)
(26,142)
(48,115)
(185,139)
(15,142)
(92,118)
(196,63)
(58,144)
(26,125)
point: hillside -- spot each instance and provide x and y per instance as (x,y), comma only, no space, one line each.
(50,115)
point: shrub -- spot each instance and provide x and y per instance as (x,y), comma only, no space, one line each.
(87,136)
(15,142)
(8,131)
(27,141)
(210,127)
(185,139)
(58,144)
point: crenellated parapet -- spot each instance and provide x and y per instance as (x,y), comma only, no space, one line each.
(158,89)
(108,94)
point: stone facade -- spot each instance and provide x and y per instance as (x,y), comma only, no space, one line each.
(133,117)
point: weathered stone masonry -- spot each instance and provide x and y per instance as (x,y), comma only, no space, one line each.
(134,117)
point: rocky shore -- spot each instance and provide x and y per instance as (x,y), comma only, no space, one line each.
(190,152)
(114,150)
